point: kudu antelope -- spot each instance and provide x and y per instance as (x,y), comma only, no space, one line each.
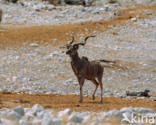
(85,69)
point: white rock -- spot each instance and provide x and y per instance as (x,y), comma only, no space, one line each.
(37,108)
(106,8)
(23,122)
(112,115)
(34,45)
(19,110)
(127,109)
(69,81)
(13,116)
(48,58)
(50,121)
(95,121)
(143,110)
(56,122)
(29,115)
(55,40)
(41,114)
(113,112)
(86,118)
(51,55)
(4,113)
(64,113)
(2,122)
(37,122)
(75,118)
(55,53)
(38,7)
(50,7)
(134,19)
(5,122)
(14,78)
(46,117)
(62,60)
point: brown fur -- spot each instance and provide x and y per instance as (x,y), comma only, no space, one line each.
(85,69)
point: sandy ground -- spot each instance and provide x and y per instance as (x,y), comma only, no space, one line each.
(17,36)
(59,102)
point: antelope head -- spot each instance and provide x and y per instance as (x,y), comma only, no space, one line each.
(72,48)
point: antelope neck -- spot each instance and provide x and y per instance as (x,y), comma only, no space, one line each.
(75,58)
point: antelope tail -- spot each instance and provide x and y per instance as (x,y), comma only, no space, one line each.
(107,61)
(113,65)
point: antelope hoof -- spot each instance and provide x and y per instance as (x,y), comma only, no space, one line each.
(80,101)
(93,97)
(101,101)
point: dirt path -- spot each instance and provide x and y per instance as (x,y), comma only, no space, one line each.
(59,102)
(43,34)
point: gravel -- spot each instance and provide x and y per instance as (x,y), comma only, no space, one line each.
(26,116)
(41,13)
(39,69)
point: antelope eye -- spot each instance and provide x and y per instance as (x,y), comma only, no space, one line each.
(75,46)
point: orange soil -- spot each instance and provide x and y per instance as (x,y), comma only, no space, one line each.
(41,34)
(59,102)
